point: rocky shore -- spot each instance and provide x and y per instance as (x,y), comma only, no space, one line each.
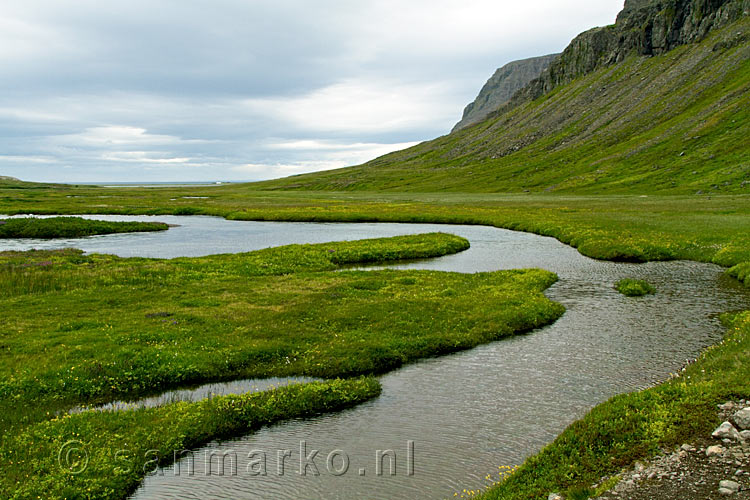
(714,467)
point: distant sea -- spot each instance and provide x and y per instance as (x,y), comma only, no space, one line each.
(157,184)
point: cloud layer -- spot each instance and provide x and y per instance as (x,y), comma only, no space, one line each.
(170,90)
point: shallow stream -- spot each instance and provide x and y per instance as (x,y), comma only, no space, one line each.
(453,420)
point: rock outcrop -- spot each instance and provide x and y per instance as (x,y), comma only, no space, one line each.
(502,86)
(643,27)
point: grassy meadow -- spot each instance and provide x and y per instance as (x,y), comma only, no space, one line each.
(122,447)
(639,161)
(627,227)
(630,228)
(93,328)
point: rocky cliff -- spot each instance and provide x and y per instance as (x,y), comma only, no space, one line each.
(502,86)
(643,27)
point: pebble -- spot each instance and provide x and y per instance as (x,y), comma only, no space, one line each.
(742,419)
(726,431)
(732,486)
(714,451)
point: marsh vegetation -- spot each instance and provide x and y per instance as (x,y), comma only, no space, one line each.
(70,227)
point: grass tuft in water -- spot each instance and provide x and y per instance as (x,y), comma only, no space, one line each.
(634,288)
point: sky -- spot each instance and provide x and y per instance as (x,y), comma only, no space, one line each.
(242,90)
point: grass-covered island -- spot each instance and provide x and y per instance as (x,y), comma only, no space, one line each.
(634,288)
(70,227)
(93,328)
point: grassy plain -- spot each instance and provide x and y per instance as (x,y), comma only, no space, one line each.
(627,227)
(636,228)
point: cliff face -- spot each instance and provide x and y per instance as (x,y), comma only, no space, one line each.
(643,27)
(502,86)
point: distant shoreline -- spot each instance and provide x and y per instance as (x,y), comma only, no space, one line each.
(156,184)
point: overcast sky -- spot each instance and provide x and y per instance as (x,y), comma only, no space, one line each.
(182,90)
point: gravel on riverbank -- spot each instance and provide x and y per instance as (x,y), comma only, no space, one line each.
(714,467)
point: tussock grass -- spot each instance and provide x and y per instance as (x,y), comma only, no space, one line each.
(634,287)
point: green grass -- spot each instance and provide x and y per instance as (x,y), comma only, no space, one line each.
(70,227)
(131,326)
(741,272)
(117,449)
(634,228)
(634,288)
(91,328)
(612,163)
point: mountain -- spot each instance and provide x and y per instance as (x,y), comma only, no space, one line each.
(659,102)
(502,86)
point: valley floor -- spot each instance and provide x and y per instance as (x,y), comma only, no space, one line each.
(613,435)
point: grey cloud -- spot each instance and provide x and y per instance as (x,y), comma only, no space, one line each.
(211,85)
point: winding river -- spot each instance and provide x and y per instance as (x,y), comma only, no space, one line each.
(444,424)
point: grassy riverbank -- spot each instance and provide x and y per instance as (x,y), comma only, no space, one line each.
(633,228)
(87,328)
(637,228)
(634,426)
(70,227)
(105,455)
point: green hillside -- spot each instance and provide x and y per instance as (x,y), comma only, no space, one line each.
(677,122)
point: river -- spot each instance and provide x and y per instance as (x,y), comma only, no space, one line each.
(449,421)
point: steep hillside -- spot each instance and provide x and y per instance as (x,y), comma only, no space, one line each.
(501,87)
(674,122)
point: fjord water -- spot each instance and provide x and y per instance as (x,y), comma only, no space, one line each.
(468,413)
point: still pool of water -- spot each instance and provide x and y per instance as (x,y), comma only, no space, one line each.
(456,418)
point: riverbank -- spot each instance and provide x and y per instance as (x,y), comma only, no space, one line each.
(633,427)
(105,455)
(275,312)
(622,228)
